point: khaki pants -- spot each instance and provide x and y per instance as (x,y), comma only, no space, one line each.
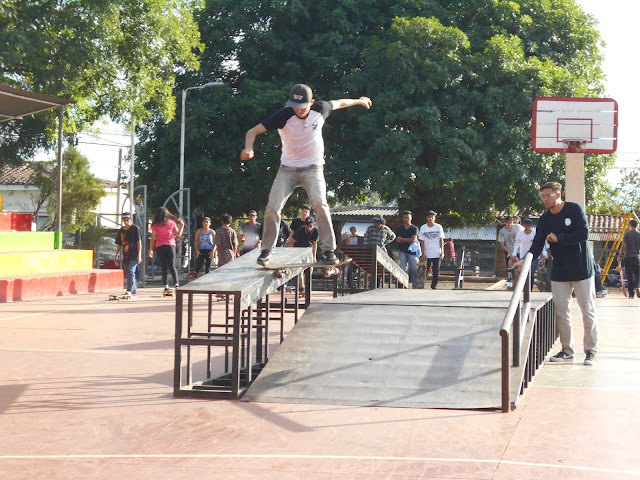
(312,180)
(586,297)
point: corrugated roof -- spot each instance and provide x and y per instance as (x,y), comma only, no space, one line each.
(363,211)
(487,232)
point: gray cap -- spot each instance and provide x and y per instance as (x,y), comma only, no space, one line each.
(300,96)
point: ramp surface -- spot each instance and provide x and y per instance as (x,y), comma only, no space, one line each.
(402,348)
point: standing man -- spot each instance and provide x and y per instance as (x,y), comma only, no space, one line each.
(407,235)
(507,239)
(432,239)
(564,225)
(299,125)
(129,243)
(378,234)
(630,257)
(249,236)
(522,245)
(296,223)
(305,236)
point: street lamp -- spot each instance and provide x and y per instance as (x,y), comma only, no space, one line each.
(184,101)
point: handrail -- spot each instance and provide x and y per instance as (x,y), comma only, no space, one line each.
(459,279)
(516,316)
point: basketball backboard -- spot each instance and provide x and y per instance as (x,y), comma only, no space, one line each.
(575,125)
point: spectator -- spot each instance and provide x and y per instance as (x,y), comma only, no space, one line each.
(449,253)
(227,243)
(507,239)
(353,239)
(305,236)
(564,225)
(407,235)
(630,257)
(205,246)
(432,238)
(522,245)
(164,228)
(284,233)
(296,223)
(378,234)
(129,243)
(249,236)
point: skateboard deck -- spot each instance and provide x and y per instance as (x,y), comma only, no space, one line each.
(622,283)
(120,297)
(286,269)
(167,293)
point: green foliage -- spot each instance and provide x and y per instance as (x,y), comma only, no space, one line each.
(81,193)
(114,58)
(452,85)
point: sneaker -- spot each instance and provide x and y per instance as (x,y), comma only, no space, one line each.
(561,356)
(265,256)
(127,293)
(599,295)
(329,257)
(590,359)
(134,295)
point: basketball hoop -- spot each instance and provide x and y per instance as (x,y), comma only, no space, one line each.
(573,145)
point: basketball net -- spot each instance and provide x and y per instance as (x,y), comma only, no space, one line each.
(573,145)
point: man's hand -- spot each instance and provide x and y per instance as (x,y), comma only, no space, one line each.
(518,265)
(246,154)
(551,238)
(139,259)
(365,102)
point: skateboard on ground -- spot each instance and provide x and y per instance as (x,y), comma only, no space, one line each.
(167,292)
(120,297)
(283,270)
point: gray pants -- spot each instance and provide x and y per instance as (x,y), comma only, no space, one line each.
(586,297)
(312,180)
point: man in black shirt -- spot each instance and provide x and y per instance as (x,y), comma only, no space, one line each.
(564,225)
(630,256)
(407,239)
(305,236)
(129,243)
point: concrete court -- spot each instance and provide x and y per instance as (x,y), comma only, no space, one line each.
(86,393)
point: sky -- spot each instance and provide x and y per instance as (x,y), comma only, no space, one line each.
(618,26)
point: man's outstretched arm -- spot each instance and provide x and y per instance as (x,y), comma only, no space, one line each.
(351,102)
(250,137)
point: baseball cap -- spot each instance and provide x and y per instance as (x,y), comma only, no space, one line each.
(527,221)
(431,212)
(126,215)
(300,96)
(377,218)
(309,221)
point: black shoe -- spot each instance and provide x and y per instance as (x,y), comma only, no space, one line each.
(265,256)
(329,258)
(561,356)
(590,359)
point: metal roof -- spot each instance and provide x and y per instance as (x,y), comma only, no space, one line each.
(16,103)
(363,212)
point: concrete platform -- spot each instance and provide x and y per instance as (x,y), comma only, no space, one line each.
(400,348)
(86,393)
(33,287)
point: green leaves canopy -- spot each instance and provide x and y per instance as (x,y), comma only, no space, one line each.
(452,85)
(114,58)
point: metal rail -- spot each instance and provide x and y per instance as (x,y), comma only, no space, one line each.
(540,327)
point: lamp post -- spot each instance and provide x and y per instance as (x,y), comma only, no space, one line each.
(182,125)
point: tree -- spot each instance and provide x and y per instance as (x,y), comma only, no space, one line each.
(81,193)
(452,85)
(114,58)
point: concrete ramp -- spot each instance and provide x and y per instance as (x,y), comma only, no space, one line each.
(402,348)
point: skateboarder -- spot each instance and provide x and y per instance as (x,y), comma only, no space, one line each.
(129,243)
(299,125)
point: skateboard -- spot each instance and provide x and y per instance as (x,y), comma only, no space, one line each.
(167,293)
(622,285)
(120,297)
(284,270)
(422,273)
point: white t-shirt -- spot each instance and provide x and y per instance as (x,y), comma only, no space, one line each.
(431,237)
(523,243)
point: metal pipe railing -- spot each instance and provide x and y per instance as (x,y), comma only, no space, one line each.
(516,316)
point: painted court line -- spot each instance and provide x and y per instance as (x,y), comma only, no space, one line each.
(318,457)
(113,351)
